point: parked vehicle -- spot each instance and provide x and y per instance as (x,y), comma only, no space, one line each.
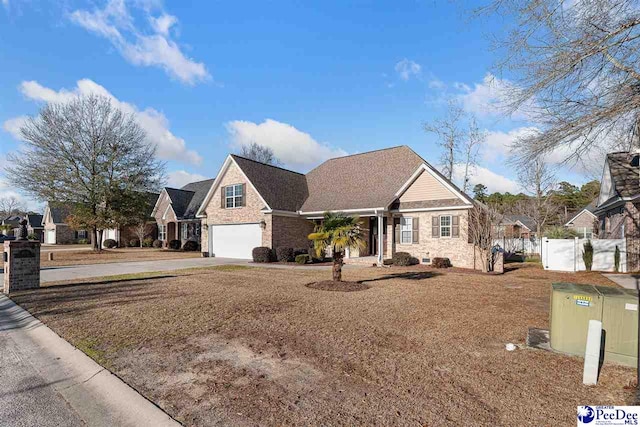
(4,237)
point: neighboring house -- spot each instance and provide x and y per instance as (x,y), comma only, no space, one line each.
(55,227)
(175,212)
(516,227)
(35,227)
(404,204)
(618,205)
(584,222)
(11,223)
(125,234)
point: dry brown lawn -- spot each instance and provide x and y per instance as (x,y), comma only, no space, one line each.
(105,256)
(255,346)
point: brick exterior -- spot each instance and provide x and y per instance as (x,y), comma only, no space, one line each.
(624,222)
(22,269)
(251,212)
(584,219)
(457,249)
(290,232)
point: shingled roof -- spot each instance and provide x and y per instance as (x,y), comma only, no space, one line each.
(60,211)
(185,201)
(282,189)
(360,181)
(624,173)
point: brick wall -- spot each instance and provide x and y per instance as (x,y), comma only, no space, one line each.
(457,249)
(290,232)
(585,219)
(22,269)
(624,222)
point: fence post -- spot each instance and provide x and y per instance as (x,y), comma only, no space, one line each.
(576,253)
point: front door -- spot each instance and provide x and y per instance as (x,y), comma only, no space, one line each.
(373,235)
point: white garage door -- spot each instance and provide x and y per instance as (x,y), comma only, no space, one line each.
(50,237)
(235,241)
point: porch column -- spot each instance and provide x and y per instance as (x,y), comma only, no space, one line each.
(380,221)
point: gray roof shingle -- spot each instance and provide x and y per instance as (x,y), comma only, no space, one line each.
(185,201)
(625,173)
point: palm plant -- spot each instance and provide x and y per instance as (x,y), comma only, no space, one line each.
(339,232)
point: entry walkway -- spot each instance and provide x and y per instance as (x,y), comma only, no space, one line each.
(629,281)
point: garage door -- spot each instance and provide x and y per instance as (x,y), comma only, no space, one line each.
(235,241)
(50,237)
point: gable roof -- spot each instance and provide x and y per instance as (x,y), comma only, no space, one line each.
(590,209)
(185,201)
(360,181)
(35,220)
(525,220)
(281,189)
(59,211)
(624,170)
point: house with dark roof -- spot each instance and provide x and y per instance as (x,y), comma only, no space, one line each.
(404,204)
(618,204)
(175,212)
(55,227)
(516,227)
(126,235)
(585,222)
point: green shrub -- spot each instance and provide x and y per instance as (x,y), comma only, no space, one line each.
(134,243)
(558,232)
(441,263)
(80,241)
(32,236)
(175,244)
(616,259)
(147,242)
(587,255)
(110,244)
(285,254)
(190,246)
(263,254)
(300,251)
(404,259)
(157,243)
(303,258)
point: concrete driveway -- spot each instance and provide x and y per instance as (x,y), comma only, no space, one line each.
(629,281)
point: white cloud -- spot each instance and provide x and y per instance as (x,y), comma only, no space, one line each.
(5,3)
(437,84)
(498,144)
(293,147)
(155,124)
(116,24)
(178,179)
(13,126)
(407,68)
(493,181)
(491,98)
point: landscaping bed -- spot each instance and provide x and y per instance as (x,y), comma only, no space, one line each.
(255,346)
(62,258)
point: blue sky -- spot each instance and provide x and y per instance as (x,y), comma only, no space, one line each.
(310,80)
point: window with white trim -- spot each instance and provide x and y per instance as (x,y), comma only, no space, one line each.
(185,230)
(445,226)
(82,234)
(233,196)
(162,232)
(585,232)
(406,230)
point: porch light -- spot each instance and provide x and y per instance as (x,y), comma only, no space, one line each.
(263,224)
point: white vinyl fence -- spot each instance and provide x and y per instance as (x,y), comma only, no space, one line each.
(527,246)
(566,254)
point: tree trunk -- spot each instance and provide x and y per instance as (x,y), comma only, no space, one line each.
(337,265)
(96,245)
(100,239)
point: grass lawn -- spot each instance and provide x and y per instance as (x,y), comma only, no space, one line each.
(105,256)
(255,346)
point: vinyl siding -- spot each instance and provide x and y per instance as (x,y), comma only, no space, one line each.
(426,187)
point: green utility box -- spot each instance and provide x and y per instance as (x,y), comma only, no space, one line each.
(573,305)
(620,324)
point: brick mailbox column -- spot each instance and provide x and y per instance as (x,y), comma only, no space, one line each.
(21,265)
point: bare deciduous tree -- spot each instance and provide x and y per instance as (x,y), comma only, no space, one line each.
(483,221)
(259,153)
(470,147)
(10,205)
(450,133)
(577,72)
(538,180)
(88,153)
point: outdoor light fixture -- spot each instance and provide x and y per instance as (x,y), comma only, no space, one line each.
(263,224)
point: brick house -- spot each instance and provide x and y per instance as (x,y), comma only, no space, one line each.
(403,202)
(585,222)
(618,205)
(175,212)
(516,227)
(55,227)
(125,234)
(35,226)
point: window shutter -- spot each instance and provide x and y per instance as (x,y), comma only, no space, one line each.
(416,230)
(244,195)
(223,191)
(396,228)
(455,226)
(435,226)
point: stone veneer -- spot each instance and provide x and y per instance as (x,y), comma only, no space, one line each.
(457,249)
(22,265)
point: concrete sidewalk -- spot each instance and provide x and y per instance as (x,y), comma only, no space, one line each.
(629,281)
(45,381)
